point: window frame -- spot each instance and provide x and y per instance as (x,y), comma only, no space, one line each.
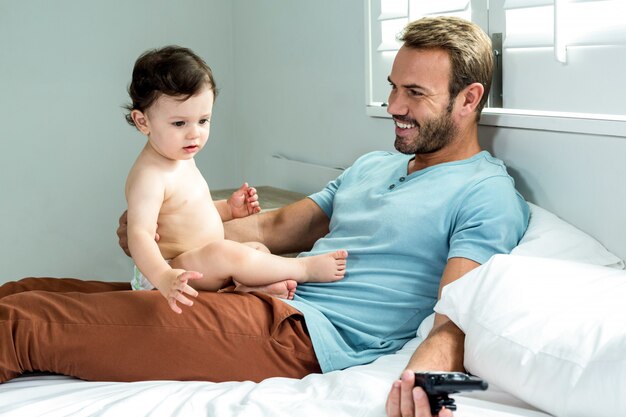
(591,123)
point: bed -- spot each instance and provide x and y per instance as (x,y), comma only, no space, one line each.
(355,392)
(558,352)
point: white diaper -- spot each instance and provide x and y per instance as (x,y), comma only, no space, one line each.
(139,282)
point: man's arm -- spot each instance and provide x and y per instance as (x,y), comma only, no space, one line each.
(293,228)
(122,233)
(442,350)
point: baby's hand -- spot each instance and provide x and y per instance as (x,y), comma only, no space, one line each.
(244,202)
(174,284)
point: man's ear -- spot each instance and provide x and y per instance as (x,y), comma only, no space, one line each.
(141,122)
(471,96)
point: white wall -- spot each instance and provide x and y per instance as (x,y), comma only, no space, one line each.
(66,148)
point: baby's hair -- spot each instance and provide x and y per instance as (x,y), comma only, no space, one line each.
(172,70)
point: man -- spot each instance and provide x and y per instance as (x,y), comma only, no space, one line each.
(412,222)
(439,85)
(440,82)
(439,56)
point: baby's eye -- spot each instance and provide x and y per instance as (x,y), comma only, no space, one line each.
(204,121)
(179,124)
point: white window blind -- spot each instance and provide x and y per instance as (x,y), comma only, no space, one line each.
(565,55)
(558,55)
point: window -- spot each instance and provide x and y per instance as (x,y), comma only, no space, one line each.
(557,55)
(386,20)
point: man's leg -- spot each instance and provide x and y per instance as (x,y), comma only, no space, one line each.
(133,335)
(60,285)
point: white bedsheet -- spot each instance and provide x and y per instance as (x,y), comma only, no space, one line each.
(357,392)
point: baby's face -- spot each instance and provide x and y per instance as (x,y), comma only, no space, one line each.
(178,129)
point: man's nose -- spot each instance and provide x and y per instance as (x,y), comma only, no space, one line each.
(396,105)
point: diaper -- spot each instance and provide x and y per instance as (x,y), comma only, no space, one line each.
(139,282)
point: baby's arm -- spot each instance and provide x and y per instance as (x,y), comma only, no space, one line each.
(242,203)
(145,193)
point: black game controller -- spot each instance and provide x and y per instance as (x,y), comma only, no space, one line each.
(439,384)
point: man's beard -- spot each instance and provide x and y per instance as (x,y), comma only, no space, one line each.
(432,135)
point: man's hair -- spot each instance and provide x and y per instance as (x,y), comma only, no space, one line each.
(469,49)
(171,70)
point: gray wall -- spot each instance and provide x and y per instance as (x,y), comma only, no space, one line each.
(292,81)
(66,149)
(291,75)
(300,82)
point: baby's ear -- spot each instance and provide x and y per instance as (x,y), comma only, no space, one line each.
(140,121)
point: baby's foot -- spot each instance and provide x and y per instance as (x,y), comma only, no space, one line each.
(282,289)
(325,268)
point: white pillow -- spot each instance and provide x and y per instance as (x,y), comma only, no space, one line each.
(550,332)
(548,236)
(425,327)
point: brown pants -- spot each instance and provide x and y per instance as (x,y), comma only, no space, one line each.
(103,331)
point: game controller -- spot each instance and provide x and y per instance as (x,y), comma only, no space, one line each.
(439,384)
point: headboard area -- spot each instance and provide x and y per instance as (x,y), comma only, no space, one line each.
(577,176)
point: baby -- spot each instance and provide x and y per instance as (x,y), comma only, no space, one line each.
(172,93)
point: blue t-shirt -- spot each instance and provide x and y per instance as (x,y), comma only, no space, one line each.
(400,230)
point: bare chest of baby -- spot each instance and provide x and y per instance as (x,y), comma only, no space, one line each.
(188,218)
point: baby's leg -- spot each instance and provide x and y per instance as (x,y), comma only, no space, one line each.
(224,260)
(327,267)
(217,263)
(257,246)
(256,269)
(282,289)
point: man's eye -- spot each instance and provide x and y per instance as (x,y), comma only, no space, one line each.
(415,93)
(179,124)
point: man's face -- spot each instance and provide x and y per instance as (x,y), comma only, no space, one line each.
(419,101)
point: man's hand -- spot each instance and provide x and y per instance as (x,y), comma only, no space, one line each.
(244,202)
(122,233)
(406,400)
